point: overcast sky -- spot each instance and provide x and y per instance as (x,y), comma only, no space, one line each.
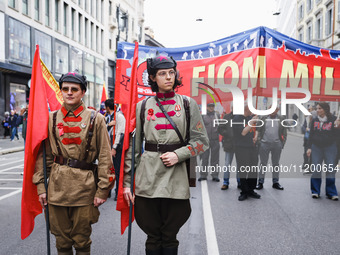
(174,22)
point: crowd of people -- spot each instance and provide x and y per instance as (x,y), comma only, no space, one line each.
(11,123)
(253,143)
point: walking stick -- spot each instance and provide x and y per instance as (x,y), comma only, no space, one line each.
(132,184)
(47,216)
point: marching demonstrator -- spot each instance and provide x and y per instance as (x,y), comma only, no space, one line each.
(162,203)
(77,136)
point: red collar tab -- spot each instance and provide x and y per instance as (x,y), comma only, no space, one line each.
(165,95)
(76,112)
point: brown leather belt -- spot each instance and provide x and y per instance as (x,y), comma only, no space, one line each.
(74,163)
(162,147)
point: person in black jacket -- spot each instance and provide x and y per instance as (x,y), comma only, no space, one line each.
(322,146)
(6,126)
(246,152)
(13,123)
(22,119)
(226,131)
(213,153)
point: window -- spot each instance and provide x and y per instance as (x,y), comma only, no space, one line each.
(24,7)
(318,28)
(98,8)
(309,32)
(61,57)
(56,15)
(65,19)
(101,41)
(76,60)
(301,12)
(80,26)
(36,10)
(19,42)
(47,12)
(110,8)
(86,32)
(73,14)
(11,3)
(301,35)
(45,47)
(110,44)
(92,35)
(98,39)
(329,22)
(309,5)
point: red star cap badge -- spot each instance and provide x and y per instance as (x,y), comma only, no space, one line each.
(162,57)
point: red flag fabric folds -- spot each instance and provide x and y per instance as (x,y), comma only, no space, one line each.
(129,110)
(104,95)
(37,131)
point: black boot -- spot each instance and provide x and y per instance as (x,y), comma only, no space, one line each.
(170,251)
(153,252)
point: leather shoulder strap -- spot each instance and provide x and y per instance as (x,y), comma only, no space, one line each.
(54,132)
(142,115)
(89,137)
(187,116)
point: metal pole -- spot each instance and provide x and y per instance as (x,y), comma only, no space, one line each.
(132,184)
(47,216)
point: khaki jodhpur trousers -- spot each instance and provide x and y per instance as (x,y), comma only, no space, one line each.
(72,226)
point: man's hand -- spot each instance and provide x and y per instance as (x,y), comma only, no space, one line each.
(98,201)
(22,111)
(337,123)
(113,152)
(169,158)
(128,196)
(309,151)
(43,200)
(112,123)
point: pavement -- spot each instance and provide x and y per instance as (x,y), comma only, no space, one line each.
(8,146)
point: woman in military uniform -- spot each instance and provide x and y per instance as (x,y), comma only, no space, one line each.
(162,193)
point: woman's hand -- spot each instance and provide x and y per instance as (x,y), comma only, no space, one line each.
(169,158)
(309,152)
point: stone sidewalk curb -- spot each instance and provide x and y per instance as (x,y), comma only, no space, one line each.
(11,150)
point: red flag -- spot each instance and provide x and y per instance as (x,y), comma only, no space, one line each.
(104,95)
(37,131)
(129,110)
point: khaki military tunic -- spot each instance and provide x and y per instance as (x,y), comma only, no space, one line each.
(153,178)
(73,186)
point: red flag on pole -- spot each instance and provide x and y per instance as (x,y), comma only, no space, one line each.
(37,131)
(104,95)
(129,110)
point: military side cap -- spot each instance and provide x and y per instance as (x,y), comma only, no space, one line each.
(160,62)
(211,104)
(74,78)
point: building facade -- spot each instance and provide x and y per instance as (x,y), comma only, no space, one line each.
(318,24)
(286,17)
(72,34)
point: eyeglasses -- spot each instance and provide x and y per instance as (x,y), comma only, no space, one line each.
(67,89)
(164,74)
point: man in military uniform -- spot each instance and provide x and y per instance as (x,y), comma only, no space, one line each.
(162,203)
(77,187)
